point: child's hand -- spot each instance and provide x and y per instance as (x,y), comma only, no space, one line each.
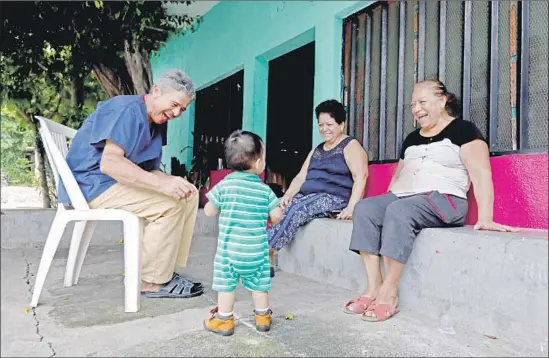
(210,210)
(276,215)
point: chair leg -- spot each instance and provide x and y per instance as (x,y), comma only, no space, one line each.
(52,243)
(81,237)
(133,235)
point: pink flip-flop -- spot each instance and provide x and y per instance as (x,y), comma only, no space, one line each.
(383,312)
(360,304)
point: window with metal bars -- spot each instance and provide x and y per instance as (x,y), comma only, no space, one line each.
(491,54)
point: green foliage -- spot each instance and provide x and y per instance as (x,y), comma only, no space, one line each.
(67,39)
(47,46)
(72,116)
(16,136)
(39,95)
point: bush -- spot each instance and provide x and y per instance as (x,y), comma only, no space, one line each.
(15,138)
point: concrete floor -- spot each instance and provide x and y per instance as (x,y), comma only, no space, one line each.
(89,320)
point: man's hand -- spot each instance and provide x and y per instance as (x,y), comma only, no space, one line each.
(117,166)
(177,187)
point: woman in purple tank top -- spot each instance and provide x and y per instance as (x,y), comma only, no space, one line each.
(332,179)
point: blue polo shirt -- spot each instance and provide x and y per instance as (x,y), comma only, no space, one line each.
(122,120)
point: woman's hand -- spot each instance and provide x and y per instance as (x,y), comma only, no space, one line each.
(490,225)
(286,200)
(476,158)
(347,213)
(296,183)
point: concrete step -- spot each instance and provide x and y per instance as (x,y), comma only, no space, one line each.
(493,283)
(30,227)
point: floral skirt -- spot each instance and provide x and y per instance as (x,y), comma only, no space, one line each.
(301,210)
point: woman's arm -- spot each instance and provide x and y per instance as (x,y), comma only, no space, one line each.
(396,173)
(297,182)
(357,161)
(476,159)
(409,138)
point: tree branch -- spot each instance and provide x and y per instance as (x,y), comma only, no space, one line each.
(157,29)
(24,114)
(54,112)
(41,66)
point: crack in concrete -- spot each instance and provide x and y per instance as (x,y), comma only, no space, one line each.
(34,314)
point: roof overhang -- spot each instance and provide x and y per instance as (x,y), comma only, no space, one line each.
(197,8)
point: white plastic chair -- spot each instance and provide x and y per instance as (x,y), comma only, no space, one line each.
(55,137)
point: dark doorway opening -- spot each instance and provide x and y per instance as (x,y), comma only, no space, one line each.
(218,112)
(289,114)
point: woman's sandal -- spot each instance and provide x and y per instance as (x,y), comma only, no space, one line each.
(360,304)
(383,311)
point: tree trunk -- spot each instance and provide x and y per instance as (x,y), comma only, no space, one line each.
(41,167)
(114,78)
(139,67)
(129,74)
(40,154)
(77,91)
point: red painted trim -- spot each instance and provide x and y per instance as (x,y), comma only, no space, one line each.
(520,189)
(450,201)
(435,208)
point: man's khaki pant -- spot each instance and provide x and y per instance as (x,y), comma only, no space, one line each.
(167,238)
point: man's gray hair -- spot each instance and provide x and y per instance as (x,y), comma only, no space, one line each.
(177,80)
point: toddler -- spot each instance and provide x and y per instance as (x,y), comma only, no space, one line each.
(244,203)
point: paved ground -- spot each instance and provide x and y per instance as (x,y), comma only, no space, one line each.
(89,320)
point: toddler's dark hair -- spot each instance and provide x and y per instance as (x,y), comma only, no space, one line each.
(334,108)
(242,148)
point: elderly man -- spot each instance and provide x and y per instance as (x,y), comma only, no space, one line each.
(115,158)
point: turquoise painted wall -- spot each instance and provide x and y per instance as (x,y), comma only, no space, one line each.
(248,34)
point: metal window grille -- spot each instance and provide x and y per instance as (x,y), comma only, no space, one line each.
(491,54)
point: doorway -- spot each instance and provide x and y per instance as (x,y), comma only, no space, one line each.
(218,112)
(289,114)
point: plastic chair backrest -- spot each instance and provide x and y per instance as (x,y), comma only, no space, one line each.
(55,137)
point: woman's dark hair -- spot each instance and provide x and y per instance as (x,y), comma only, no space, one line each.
(453,105)
(242,148)
(334,109)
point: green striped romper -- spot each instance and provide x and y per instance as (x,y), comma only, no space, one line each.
(244,203)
